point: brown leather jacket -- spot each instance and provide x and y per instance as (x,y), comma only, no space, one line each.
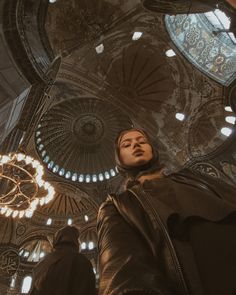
(135,250)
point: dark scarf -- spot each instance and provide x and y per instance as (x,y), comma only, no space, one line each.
(65,249)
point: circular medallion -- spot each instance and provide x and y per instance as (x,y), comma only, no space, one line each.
(9,263)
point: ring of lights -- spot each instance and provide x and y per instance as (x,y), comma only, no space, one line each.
(22,185)
(75,139)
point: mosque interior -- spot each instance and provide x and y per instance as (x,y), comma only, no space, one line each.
(73,73)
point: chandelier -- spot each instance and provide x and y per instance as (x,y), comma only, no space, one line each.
(22,188)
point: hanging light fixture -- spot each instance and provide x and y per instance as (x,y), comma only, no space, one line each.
(22,187)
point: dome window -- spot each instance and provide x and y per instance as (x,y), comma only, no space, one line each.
(136,36)
(226,131)
(228,109)
(170,53)
(62,172)
(230,119)
(180,116)
(81,178)
(100,177)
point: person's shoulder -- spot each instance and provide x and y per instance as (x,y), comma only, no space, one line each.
(112,204)
(81,258)
(112,199)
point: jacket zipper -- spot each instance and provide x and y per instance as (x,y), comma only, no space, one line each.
(167,238)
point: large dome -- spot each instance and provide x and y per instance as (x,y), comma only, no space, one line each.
(75,138)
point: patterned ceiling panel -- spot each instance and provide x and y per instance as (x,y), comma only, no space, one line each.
(197,39)
(204,132)
(142,74)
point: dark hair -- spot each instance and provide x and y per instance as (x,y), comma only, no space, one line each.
(133,173)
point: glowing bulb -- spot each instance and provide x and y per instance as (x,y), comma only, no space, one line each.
(35,164)
(28,160)
(8,212)
(34,204)
(5,159)
(39,181)
(15,213)
(42,201)
(21,214)
(46,185)
(20,157)
(3,210)
(28,213)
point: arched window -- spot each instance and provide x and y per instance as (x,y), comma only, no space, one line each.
(26,285)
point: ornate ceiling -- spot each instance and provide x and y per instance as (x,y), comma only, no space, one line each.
(202,44)
(136,75)
(110,79)
(75,138)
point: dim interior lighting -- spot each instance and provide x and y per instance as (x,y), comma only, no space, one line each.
(180,116)
(170,53)
(69,221)
(100,48)
(228,109)
(22,184)
(230,119)
(226,131)
(86,218)
(136,36)
(52,1)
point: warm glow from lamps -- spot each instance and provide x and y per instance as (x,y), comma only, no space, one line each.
(22,185)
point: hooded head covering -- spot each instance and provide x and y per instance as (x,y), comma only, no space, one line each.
(66,235)
(133,173)
(66,246)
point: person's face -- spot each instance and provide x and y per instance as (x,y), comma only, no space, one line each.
(134,149)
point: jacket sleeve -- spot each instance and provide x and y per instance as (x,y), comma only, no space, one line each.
(127,266)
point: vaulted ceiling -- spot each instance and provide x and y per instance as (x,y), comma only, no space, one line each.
(105,66)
